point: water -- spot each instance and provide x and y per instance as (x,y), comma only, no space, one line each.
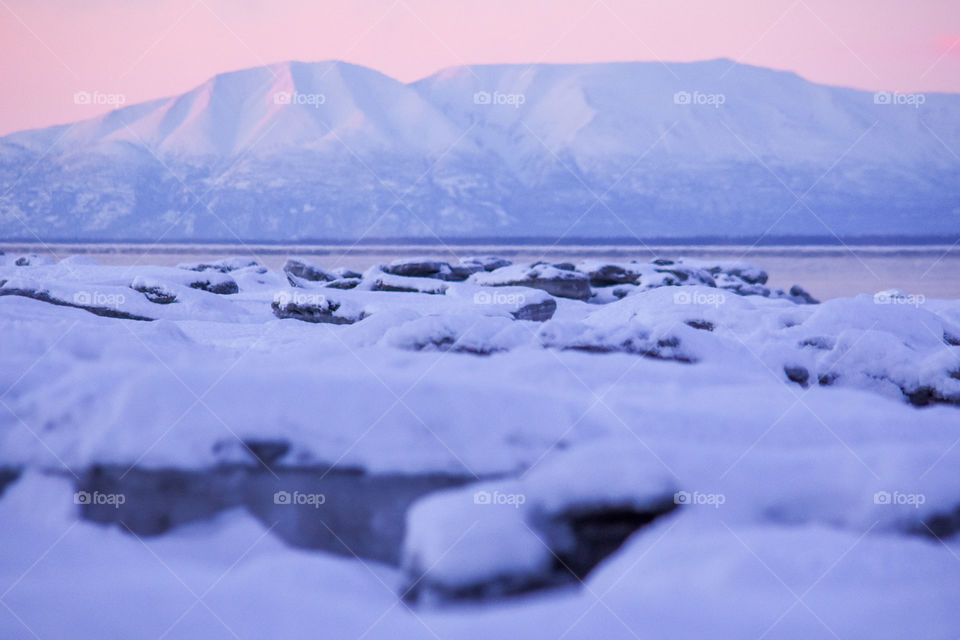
(825,271)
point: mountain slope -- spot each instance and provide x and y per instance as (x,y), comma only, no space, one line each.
(331,150)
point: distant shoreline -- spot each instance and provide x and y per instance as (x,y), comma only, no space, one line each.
(825,270)
(533,241)
(808,246)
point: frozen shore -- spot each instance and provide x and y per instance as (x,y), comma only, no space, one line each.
(472,448)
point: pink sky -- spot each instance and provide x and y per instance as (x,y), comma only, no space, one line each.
(148,49)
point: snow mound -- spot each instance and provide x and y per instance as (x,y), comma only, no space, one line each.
(493,539)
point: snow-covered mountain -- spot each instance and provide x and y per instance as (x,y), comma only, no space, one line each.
(322,151)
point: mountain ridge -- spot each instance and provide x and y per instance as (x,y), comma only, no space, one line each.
(332,149)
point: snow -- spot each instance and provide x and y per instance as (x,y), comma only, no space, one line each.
(679,579)
(496,543)
(796,509)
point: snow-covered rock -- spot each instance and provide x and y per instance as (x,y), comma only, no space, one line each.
(376,279)
(493,539)
(226,265)
(301,268)
(485,263)
(557,282)
(315,308)
(429,268)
